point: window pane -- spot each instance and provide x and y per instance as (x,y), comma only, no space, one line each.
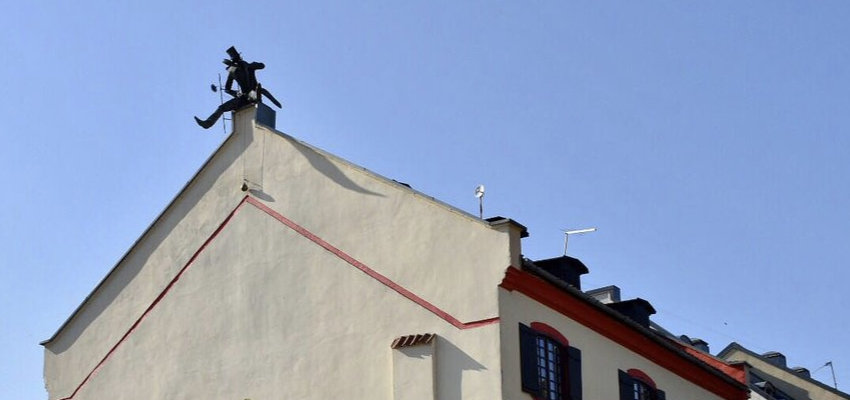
(549,365)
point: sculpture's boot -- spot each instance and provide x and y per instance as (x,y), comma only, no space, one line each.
(207,123)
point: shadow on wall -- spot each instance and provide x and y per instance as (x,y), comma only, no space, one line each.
(321,163)
(451,364)
(123,273)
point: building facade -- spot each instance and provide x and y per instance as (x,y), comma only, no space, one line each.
(282,271)
(770,378)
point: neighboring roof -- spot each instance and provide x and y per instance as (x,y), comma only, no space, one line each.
(735,370)
(737,347)
(645,333)
(400,185)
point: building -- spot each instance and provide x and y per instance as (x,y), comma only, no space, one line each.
(282,271)
(770,378)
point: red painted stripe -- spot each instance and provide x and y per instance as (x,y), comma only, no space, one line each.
(369,271)
(304,232)
(158,298)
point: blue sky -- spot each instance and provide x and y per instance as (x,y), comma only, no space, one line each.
(708,142)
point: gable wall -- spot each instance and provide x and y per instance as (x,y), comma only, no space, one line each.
(440,255)
(265,313)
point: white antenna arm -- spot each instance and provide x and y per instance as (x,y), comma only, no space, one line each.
(567,234)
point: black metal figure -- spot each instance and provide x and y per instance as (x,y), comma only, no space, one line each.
(250,91)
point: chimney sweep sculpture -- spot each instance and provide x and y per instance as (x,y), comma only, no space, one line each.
(250,91)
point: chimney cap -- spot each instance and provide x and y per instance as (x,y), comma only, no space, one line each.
(776,358)
(573,262)
(565,268)
(637,309)
(605,294)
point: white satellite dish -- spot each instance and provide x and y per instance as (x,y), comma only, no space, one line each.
(479,191)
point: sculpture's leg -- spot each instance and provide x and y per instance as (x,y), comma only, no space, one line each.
(229,105)
(266,93)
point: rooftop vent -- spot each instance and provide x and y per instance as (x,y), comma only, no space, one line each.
(565,268)
(774,357)
(700,345)
(605,295)
(801,371)
(637,310)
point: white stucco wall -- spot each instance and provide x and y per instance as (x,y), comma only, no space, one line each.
(601,357)
(263,312)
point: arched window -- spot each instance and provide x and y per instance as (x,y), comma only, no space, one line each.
(550,368)
(637,385)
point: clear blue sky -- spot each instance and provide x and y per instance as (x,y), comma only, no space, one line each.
(708,141)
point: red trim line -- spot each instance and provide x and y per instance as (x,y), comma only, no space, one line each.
(553,333)
(158,298)
(315,239)
(369,271)
(588,315)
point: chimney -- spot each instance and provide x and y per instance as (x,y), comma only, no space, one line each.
(801,371)
(774,357)
(565,268)
(700,345)
(266,115)
(637,310)
(605,295)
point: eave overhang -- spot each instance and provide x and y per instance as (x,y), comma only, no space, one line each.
(589,312)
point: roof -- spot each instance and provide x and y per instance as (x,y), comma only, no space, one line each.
(648,335)
(736,370)
(734,346)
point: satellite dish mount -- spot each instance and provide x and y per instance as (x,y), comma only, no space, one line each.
(479,193)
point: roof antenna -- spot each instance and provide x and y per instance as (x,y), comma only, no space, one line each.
(479,193)
(829,363)
(567,234)
(220,91)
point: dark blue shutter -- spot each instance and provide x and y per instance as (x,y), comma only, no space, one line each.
(660,395)
(528,360)
(627,386)
(574,373)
